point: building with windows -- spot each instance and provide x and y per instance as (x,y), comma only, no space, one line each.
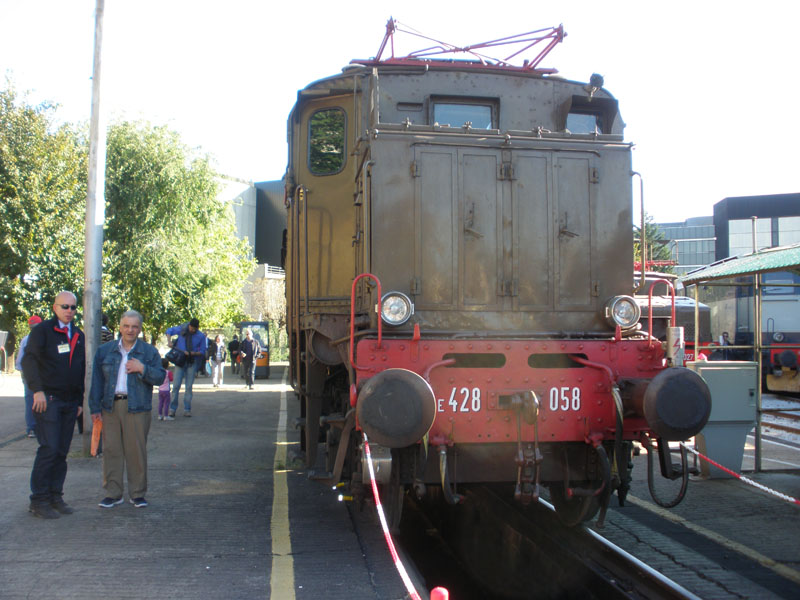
(747,223)
(691,242)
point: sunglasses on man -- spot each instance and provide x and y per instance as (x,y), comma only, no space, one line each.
(69,306)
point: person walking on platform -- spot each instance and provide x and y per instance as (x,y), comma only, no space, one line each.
(123,375)
(249,351)
(163,392)
(30,421)
(54,366)
(194,344)
(217,354)
(233,350)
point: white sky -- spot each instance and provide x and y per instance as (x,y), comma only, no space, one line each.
(707,88)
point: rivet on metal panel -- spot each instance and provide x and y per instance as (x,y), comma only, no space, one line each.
(544,379)
(469,346)
(580,346)
(452,347)
(426,346)
(563,346)
(489,346)
(508,379)
(469,380)
(489,380)
(527,379)
(544,347)
(452,419)
(561,418)
(383,358)
(508,346)
(452,379)
(580,379)
(603,347)
(402,346)
(562,380)
(527,347)
(492,394)
(506,419)
(372,357)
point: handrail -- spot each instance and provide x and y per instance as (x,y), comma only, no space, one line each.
(650,305)
(353,314)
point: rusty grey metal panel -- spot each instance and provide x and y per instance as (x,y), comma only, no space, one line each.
(574,234)
(533,238)
(436,238)
(481,235)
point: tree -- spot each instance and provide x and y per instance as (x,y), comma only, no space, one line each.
(170,247)
(656,246)
(42,204)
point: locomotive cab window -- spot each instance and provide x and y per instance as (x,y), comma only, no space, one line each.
(595,115)
(326,141)
(455,112)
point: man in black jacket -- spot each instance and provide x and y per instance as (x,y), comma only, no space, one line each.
(54,366)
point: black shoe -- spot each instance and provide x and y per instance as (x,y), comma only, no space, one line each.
(139,502)
(43,511)
(110,502)
(172,414)
(61,506)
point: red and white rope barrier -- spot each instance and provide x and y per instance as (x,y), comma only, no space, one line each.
(389,542)
(742,477)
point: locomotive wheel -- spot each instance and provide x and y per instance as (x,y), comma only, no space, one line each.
(572,511)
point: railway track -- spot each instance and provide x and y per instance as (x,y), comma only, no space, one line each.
(769,417)
(504,551)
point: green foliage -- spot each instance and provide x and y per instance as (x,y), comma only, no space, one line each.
(170,245)
(43,174)
(170,249)
(657,247)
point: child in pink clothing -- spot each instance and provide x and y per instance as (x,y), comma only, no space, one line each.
(163,392)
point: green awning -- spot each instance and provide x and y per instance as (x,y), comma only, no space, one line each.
(783,258)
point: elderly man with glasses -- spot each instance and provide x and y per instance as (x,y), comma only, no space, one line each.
(54,366)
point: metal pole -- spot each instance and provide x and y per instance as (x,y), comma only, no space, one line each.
(757,353)
(95,216)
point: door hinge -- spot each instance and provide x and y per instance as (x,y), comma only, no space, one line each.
(415,169)
(595,288)
(594,175)
(416,286)
(506,171)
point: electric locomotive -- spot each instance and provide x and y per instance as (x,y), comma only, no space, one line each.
(458,267)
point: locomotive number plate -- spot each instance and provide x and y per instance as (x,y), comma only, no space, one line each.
(565,398)
(461,400)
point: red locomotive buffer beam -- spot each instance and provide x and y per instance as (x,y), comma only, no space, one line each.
(475,382)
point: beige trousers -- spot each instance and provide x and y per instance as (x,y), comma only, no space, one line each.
(125,448)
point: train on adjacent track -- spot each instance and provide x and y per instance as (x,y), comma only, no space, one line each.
(459,258)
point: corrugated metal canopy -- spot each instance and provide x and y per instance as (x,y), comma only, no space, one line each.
(784,258)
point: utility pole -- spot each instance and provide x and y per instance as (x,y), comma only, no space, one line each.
(95,217)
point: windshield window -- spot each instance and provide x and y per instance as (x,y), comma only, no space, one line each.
(457,114)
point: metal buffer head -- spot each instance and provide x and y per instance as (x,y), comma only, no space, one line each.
(677,404)
(396,408)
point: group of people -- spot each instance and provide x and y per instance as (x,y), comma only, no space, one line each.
(52,359)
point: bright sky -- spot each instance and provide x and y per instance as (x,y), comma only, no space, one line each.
(705,87)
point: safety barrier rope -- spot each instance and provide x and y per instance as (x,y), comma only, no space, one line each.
(412,592)
(742,478)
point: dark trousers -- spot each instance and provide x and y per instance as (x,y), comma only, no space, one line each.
(54,428)
(234,365)
(249,367)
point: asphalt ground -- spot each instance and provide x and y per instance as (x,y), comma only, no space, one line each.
(231,513)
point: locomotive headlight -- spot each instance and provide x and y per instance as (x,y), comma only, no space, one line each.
(778,337)
(396,308)
(623,311)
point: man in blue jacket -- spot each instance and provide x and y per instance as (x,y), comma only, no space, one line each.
(54,366)
(193,343)
(120,397)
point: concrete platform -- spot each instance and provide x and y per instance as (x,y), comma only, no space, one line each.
(229,517)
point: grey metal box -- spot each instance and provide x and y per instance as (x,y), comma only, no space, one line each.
(733,386)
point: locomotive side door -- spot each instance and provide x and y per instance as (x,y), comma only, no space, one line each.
(552,231)
(459,241)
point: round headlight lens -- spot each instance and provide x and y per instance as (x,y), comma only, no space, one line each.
(396,308)
(777,337)
(623,311)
